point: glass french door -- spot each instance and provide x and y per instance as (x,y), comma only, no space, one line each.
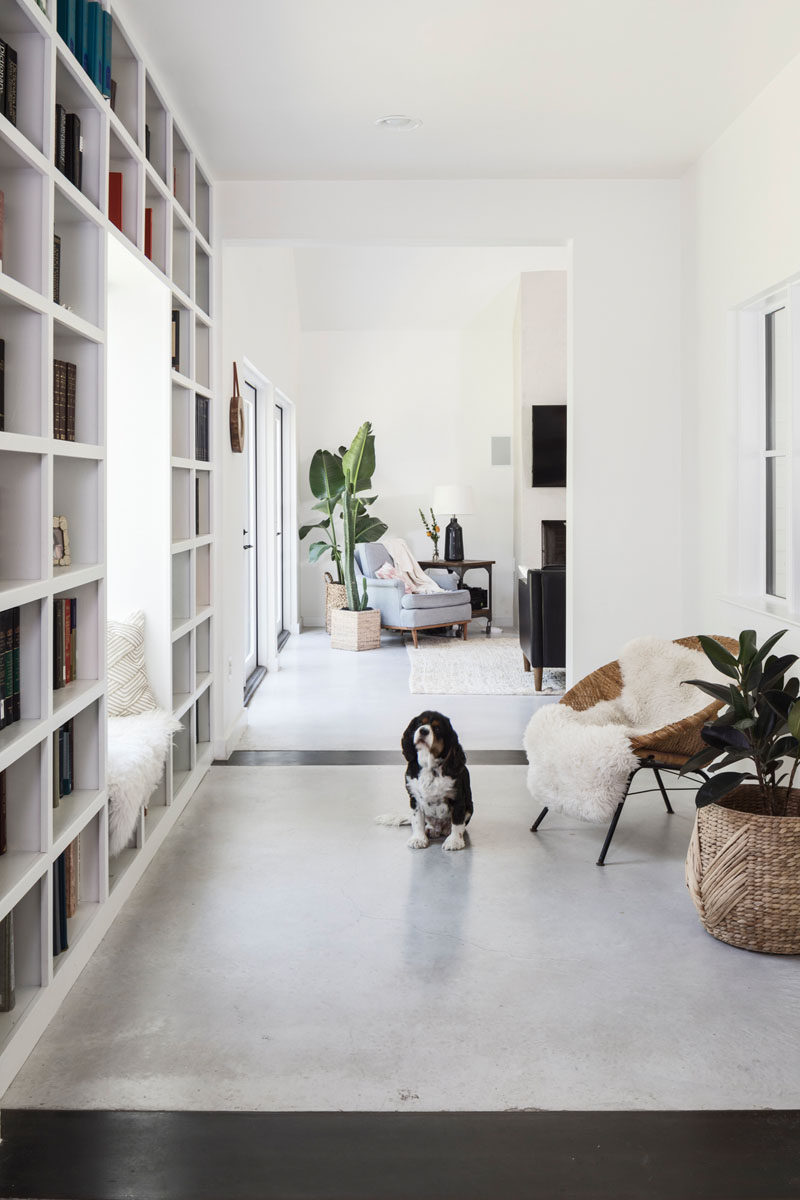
(250,530)
(279,583)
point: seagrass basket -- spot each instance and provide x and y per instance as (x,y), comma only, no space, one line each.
(335,597)
(355,630)
(743,872)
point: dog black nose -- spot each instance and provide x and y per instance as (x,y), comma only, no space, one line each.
(424,729)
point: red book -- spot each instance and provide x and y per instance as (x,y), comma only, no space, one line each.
(115,198)
(148,232)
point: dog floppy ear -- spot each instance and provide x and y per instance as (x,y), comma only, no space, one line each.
(407,741)
(455,755)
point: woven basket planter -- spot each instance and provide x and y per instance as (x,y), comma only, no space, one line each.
(355,630)
(743,872)
(335,597)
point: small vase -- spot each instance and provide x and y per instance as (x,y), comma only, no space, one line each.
(435,554)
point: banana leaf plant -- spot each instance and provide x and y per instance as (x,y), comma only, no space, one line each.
(759,727)
(326,478)
(358,466)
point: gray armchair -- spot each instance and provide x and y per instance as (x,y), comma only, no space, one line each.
(410,613)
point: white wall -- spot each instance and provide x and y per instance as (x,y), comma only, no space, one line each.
(541,379)
(741,204)
(258,300)
(624,354)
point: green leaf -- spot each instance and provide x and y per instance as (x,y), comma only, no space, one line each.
(325,475)
(793,720)
(721,658)
(768,644)
(358,463)
(718,690)
(306,529)
(369,529)
(316,550)
(747,646)
(718,787)
(699,761)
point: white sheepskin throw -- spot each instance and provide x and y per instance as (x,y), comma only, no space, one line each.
(580,761)
(137,750)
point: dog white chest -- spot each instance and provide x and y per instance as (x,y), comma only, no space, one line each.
(432,792)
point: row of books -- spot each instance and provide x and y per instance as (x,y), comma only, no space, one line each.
(8,82)
(57,268)
(63,759)
(66,872)
(65,383)
(86,28)
(9,667)
(65,641)
(201,428)
(69,145)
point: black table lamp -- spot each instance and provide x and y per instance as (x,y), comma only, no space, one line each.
(452,498)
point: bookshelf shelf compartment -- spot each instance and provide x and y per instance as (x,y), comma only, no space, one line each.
(181,172)
(181,423)
(90,632)
(78,95)
(182,586)
(21,534)
(125,73)
(202,371)
(26,37)
(181,504)
(30,925)
(182,754)
(202,204)
(26,376)
(202,280)
(19,872)
(72,814)
(157,123)
(24,783)
(88,358)
(203,576)
(82,259)
(181,369)
(77,496)
(181,256)
(124,166)
(202,499)
(202,722)
(156,240)
(23,187)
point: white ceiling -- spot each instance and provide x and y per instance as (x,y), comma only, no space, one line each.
(414,287)
(289,89)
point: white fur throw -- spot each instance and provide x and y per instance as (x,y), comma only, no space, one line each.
(137,749)
(580,761)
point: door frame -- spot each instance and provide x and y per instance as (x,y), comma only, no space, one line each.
(267,396)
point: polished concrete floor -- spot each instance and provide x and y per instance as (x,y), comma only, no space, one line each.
(285,953)
(323,699)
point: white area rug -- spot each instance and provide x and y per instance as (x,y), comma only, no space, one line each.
(480,666)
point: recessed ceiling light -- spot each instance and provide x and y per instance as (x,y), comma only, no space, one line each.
(396,121)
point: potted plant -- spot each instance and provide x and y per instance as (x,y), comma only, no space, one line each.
(743,864)
(327,483)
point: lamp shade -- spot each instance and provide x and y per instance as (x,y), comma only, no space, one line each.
(454,499)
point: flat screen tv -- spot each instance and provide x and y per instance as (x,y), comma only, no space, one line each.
(549,423)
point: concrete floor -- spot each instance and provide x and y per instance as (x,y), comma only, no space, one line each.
(323,699)
(283,952)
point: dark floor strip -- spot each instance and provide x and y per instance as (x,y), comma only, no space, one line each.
(356,758)
(394,1156)
(252,685)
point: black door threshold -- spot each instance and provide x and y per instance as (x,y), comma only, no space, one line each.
(92,1155)
(253,681)
(356,758)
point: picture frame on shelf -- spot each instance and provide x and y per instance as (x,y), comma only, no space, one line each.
(61,551)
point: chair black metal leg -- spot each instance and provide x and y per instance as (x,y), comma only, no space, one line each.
(539,819)
(601,862)
(660,782)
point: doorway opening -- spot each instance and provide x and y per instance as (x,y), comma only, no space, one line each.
(269,519)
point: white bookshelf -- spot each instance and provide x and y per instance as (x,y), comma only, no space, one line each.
(41,476)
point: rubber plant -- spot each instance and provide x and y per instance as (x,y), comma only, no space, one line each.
(760,727)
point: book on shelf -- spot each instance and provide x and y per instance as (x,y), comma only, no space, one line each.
(10,704)
(65,385)
(57,268)
(72,861)
(2,384)
(107,39)
(201,429)
(95,68)
(148,233)
(9,57)
(60,936)
(72,385)
(3,814)
(66,22)
(147,142)
(2,223)
(65,641)
(71,158)
(8,997)
(176,340)
(115,198)
(63,760)
(81,31)
(61,138)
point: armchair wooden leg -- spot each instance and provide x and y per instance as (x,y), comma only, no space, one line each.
(537,678)
(464,630)
(414,636)
(527,664)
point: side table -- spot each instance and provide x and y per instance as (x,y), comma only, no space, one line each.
(461,568)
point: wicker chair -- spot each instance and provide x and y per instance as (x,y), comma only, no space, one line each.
(665,749)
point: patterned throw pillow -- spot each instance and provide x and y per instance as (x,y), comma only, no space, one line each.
(390,571)
(128,686)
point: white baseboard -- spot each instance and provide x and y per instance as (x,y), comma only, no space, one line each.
(232,737)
